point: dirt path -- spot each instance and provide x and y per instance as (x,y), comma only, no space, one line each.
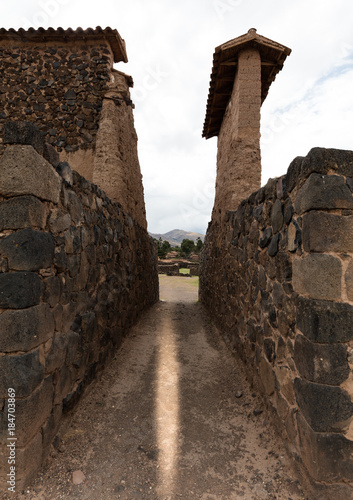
(172,417)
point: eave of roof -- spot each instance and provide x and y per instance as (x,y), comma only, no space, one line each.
(41,35)
(225,60)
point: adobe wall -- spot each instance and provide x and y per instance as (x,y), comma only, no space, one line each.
(238,154)
(76,272)
(277,278)
(70,90)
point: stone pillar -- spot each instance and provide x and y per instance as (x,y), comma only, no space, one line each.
(116,166)
(239,158)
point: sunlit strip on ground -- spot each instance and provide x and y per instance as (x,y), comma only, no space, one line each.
(167,408)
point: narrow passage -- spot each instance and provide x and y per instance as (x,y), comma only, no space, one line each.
(171,417)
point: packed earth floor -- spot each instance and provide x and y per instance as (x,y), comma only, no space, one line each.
(171,417)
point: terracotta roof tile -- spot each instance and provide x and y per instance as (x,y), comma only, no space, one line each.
(224,69)
(48,34)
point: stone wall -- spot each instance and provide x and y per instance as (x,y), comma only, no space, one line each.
(172,268)
(76,272)
(67,86)
(277,277)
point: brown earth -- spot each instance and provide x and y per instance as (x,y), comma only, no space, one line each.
(171,417)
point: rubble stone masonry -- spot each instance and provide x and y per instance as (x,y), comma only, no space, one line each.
(76,271)
(67,86)
(277,277)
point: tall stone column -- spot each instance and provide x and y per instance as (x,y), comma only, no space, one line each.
(243,70)
(238,157)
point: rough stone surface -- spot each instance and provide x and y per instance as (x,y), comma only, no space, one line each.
(323,364)
(59,221)
(21,167)
(323,192)
(323,232)
(349,280)
(23,330)
(277,216)
(24,133)
(32,412)
(24,372)
(325,321)
(22,212)
(327,456)
(28,250)
(19,290)
(318,276)
(280,301)
(326,408)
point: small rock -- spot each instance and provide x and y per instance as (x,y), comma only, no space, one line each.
(238,394)
(257,412)
(78,477)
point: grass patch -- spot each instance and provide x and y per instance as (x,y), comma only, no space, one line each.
(183,270)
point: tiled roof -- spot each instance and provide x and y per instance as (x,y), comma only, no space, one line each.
(50,34)
(225,60)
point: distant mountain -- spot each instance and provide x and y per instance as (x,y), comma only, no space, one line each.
(176,236)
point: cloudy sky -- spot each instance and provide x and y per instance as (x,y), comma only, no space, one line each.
(170,46)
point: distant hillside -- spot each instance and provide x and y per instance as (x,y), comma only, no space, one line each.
(176,236)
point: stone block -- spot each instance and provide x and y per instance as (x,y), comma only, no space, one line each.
(22,212)
(283,267)
(25,172)
(73,265)
(60,260)
(51,155)
(25,329)
(294,237)
(75,207)
(56,356)
(322,161)
(52,291)
(277,216)
(25,133)
(64,170)
(293,173)
(32,412)
(349,280)
(23,372)
(28,250)
(327,456)
(73,340)
(267,377)
(285,383)
(19,290)
(51,427)
(266,238)
(323,192)
(324,232)
(63,385)
(59,221)
(326,408)
(321,363)
(318,276)
(72,240)
(273,246)
(325,321)
(28,461)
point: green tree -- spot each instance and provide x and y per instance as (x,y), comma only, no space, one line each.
(199,244)
(163,247)
(187,246)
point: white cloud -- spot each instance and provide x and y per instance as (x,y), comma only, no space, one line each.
(170,48)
